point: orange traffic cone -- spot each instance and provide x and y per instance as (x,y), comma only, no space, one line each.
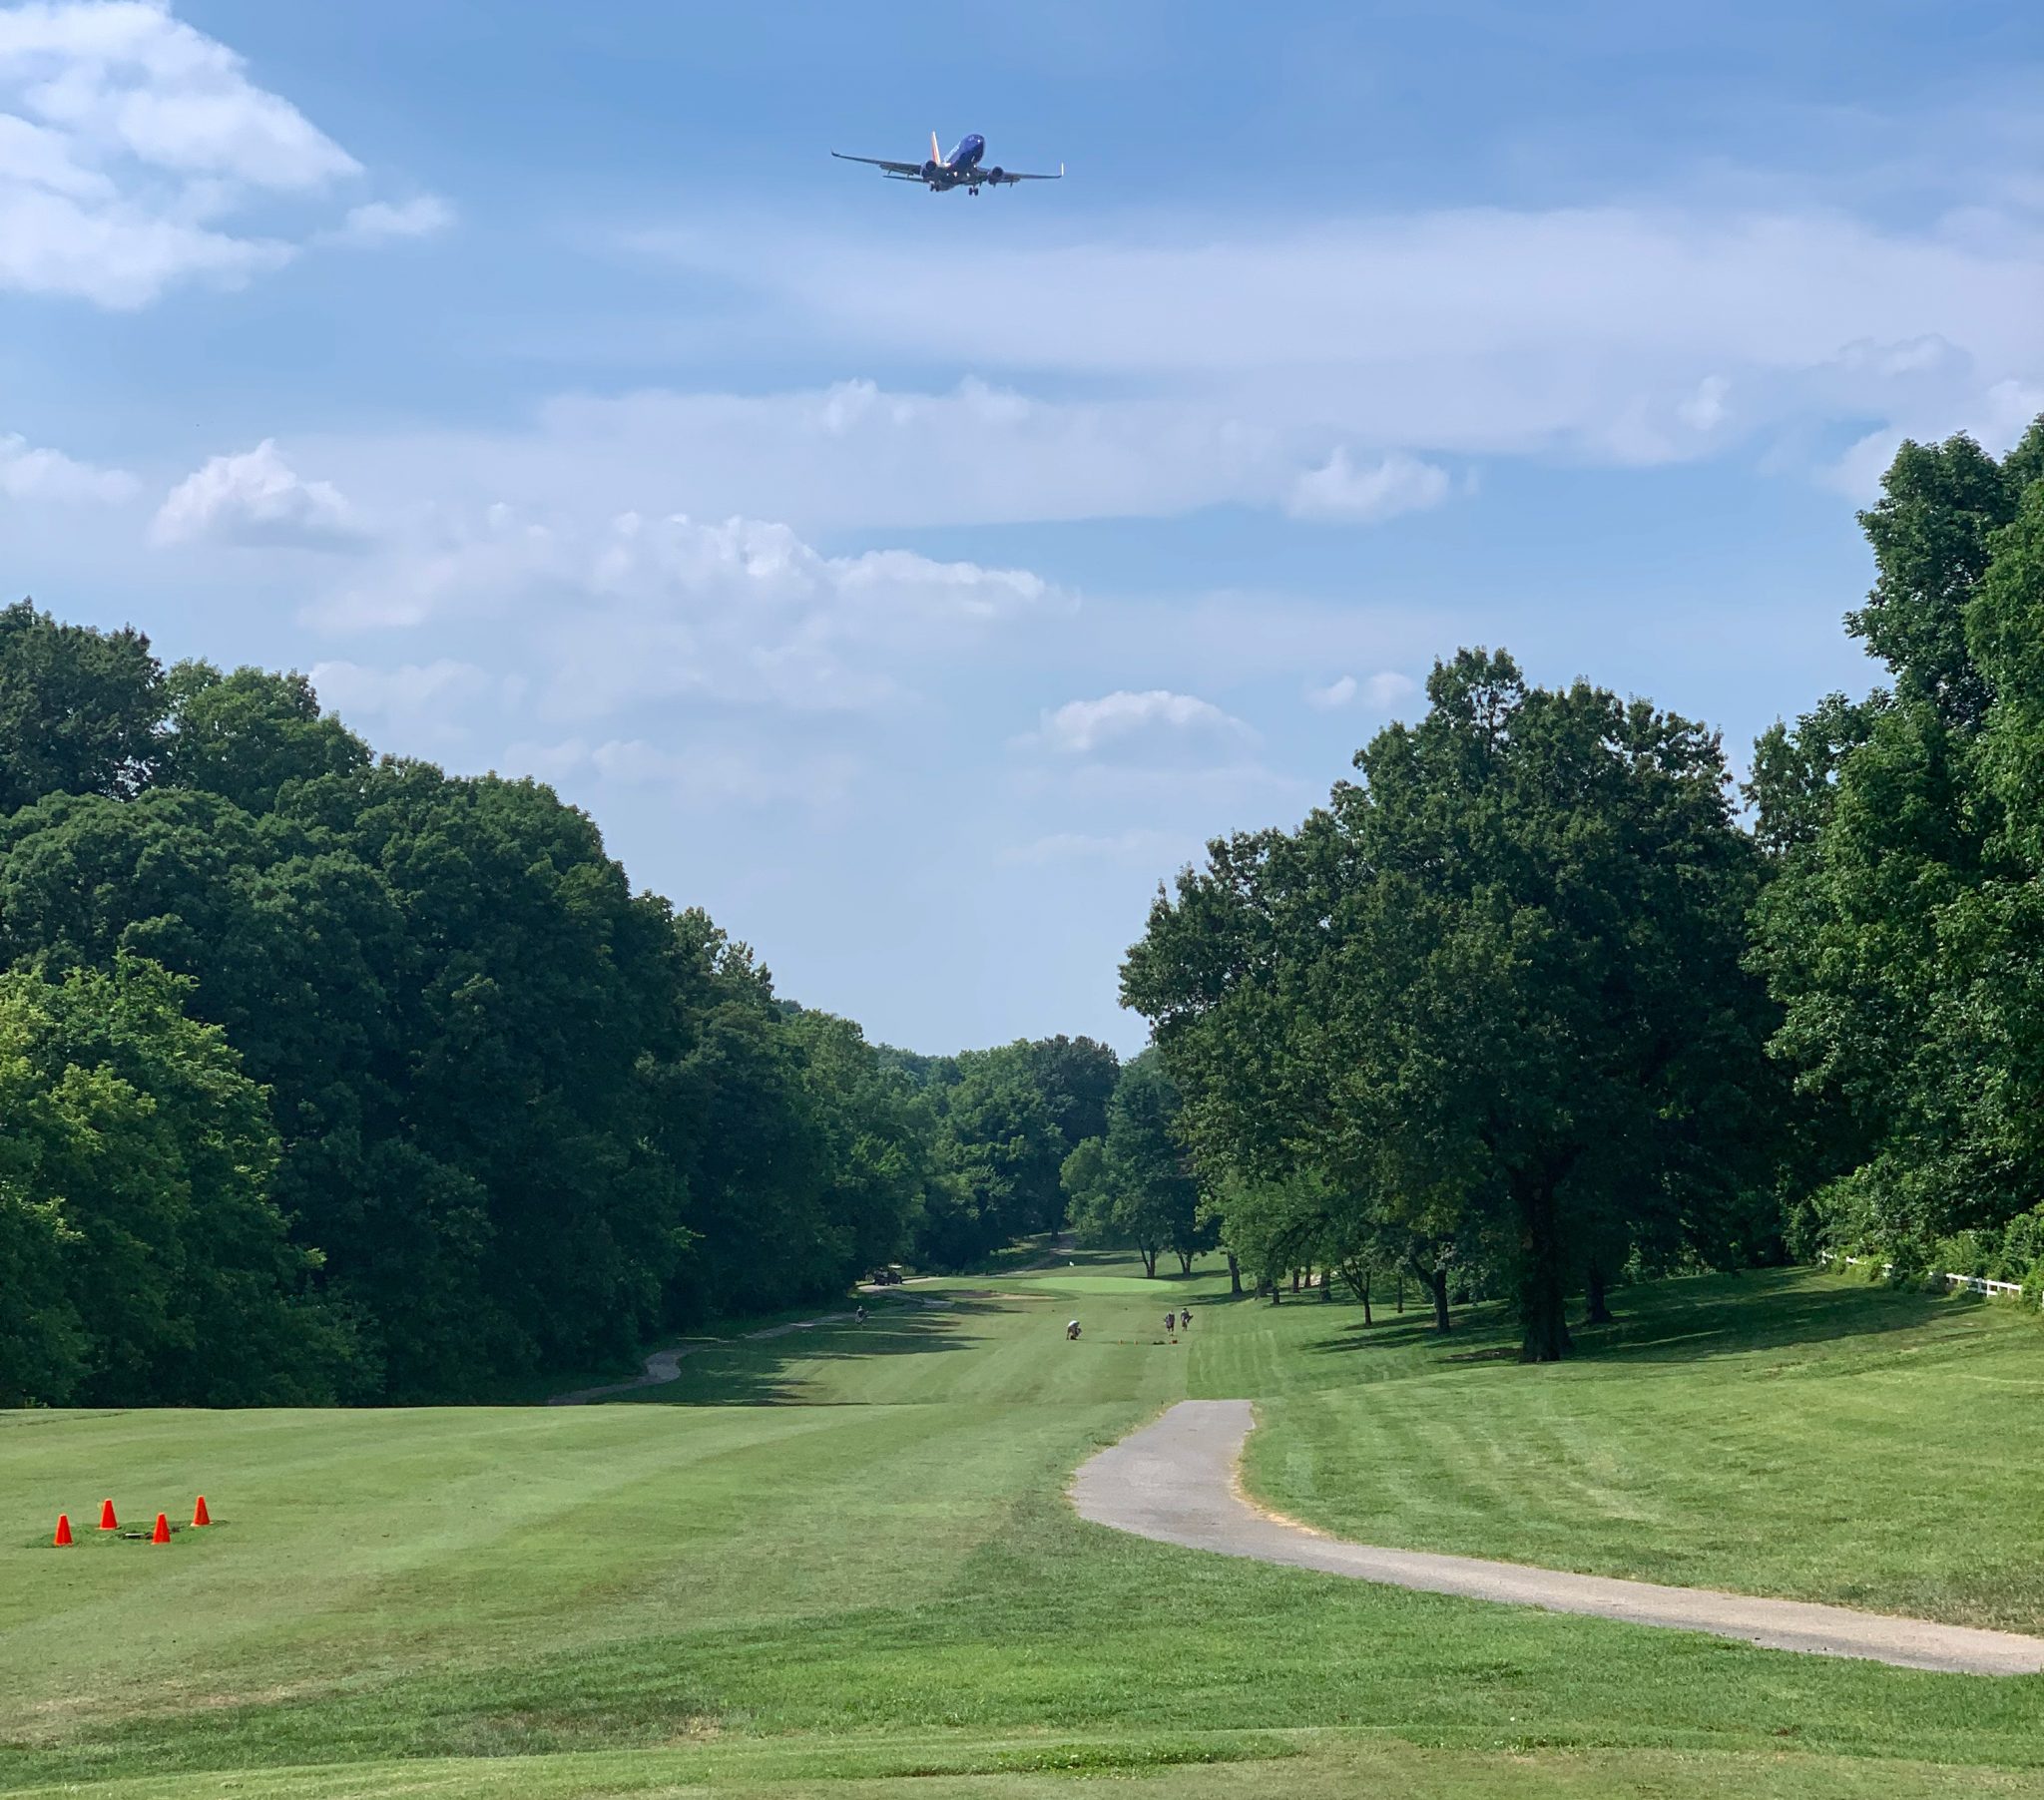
(63,1531)
(108,1522)
(162,1534)
(199,1516)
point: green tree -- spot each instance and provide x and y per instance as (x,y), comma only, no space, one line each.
(1900,924)
(1492,995)
(80,709)
(880,1148)
(244,735)
(1076,1076)
(1135,1185)
(1003,1143)
(1931,529)
(136,1155)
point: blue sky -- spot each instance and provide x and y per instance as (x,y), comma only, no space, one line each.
(915,581)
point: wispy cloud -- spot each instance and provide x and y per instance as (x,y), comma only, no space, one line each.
(378,221)
(1622,335)
(1381,690)
(31,473)
(1140,846)
(405,691)
(1395,484)
(1389,687)
(706,776)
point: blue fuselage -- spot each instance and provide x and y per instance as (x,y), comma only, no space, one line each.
(970,149)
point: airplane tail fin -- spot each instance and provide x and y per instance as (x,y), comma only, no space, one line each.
(936,155)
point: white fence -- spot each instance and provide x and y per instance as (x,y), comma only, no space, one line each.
(1974,1284)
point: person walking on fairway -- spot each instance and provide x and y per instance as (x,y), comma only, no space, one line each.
(1171,1326)
(1184,1318)
(1072,1332)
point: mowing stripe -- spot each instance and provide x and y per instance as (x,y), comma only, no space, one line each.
(1176,1481)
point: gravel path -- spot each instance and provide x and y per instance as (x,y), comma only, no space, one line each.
(1176,1481)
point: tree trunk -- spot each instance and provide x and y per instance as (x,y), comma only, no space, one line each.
(1401,1290)
(1148,1257)
(1294,1281)
(1543,1302)
(1364,1289)
(1599,1312)
(1436,1281)
(1185,1261)
(1327,1283)
(1233,1276)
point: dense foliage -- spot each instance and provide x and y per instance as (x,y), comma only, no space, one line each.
(1905,930)
(1135,1184)
(1486,1006)
(1528,1006)
(329,1076)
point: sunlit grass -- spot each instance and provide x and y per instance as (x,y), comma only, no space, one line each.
(844,1555)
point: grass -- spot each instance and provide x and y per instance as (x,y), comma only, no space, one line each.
(1782,1433)
(843,1558)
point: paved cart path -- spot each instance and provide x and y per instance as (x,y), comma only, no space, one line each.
(1176,1481)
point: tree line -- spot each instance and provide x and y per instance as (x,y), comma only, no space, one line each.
(1544,1000)
(330,1076)
(325,1075)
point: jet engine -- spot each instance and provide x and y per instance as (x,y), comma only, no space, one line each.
(930,171)
(994,175)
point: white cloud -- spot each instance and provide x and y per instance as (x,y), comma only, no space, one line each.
(1382,690)
(1149,848)
(128,143)
(29,473)
(128,74)
(410,691)
(627,610)
(378,220)
(1081,728)
(854,454)
(1414,290)
(256,499)
(704,777)
(1704,411)
(1995,419)
(1615,335)
(1338,490)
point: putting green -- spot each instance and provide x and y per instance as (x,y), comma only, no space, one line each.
(1176,1292)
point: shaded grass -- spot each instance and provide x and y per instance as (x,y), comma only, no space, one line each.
(876,1577)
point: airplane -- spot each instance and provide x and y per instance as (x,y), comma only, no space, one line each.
(960,169)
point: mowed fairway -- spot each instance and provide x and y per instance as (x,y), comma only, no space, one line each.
(843,1557)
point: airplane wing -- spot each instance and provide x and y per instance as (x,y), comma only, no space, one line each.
(905,172)
(1000,177)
